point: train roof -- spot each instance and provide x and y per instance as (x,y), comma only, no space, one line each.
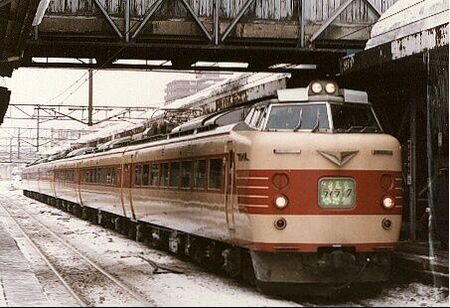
(207,122)
(322,90)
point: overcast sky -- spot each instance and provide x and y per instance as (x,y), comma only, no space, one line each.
(70,87)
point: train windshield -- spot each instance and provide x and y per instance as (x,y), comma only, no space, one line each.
(354,118)
(297,117)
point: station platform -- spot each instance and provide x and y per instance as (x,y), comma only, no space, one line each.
(413,259)
(19,286)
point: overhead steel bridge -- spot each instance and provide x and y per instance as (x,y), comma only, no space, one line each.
(275,35)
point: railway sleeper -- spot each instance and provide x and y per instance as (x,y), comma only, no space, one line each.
(217,257)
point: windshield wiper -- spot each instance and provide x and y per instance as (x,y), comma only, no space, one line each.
(374,129)
(352,127)
(300,120)
(317,125)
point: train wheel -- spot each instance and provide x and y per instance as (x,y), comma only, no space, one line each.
(248,273)
(232,262)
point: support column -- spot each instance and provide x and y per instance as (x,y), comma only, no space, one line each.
(412,176)
(127,20)
(90,98)
(430,156)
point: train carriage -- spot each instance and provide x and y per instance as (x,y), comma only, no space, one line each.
(305,186)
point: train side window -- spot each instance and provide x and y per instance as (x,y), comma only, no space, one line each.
(145,174)
(174,174)
(154,175)
(249,116)
(70,175)
(137,175)
(261,118)
(113,176)
(186,174)
(101,175)
(255,116)
(164,180)
(92,176)
(215,173)
(108,176)
(200,174)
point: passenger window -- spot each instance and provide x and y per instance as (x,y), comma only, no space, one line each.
(255,117)
(138,175)
(145,174)
(154,174)
(164,181)
(200,174)
(174,174)
(108,176)
(113,176)
(215,173)
(101,175)
(261,118)
(186,172)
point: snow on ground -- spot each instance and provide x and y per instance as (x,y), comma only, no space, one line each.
(122,257)
(194,287)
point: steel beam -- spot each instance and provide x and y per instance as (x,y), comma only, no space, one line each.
(127,20)
(338,12)
(197,20)
(108,18)
(301,26)
(236,20)
(147,17)
(328,22)
(373,7)
(216,23)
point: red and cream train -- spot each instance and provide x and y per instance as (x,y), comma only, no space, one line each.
(303,187)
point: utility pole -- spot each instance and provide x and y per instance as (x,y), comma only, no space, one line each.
(90,98)
(18,144)
(37,130)
(10,149)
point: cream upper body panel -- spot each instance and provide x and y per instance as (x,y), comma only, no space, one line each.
(306,150)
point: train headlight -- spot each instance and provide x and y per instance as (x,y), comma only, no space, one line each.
(281,202)
(316,87)
(330,88)
(388,202)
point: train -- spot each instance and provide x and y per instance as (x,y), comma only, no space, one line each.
(300,188)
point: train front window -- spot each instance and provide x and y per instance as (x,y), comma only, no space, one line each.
(354,118)
(298,117)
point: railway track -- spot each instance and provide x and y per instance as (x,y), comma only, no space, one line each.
(87,282)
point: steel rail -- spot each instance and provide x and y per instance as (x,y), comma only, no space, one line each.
(47,261)
(136,296)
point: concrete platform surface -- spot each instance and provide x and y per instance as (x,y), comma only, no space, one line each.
(18,284)
(414,258)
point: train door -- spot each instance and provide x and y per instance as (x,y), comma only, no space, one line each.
(52,180)
(229,188)
(78,180)
(126,196)
(39,179)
